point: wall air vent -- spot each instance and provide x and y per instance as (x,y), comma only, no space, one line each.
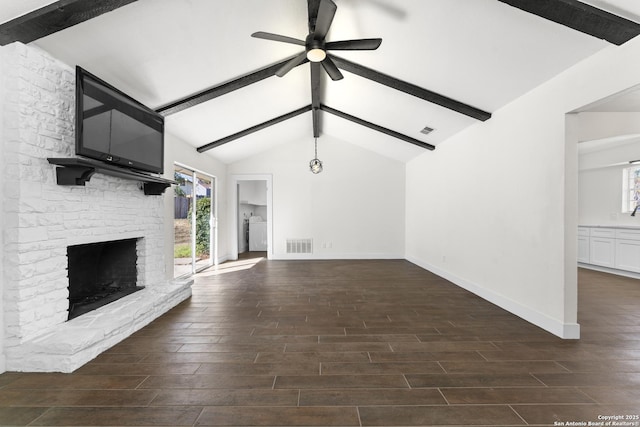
(427,130)
(299,246)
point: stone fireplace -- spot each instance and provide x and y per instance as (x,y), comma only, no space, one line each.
(43,220)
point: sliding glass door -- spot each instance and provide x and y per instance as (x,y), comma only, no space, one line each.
(195,233)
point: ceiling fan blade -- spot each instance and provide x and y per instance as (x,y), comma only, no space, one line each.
(326,12)
(331,69)
(302,57)
(360,44)
(277,38)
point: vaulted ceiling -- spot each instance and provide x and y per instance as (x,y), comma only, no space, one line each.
(439,60)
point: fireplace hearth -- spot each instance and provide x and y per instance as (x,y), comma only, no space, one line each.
(100,273)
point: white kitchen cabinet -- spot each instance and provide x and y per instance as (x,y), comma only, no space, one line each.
(603,232)
(602,247)
(627,255)
(602,251)
(583,245)
(616,248)
(628,249)
(628,233)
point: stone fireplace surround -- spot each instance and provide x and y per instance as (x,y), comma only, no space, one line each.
(41,219)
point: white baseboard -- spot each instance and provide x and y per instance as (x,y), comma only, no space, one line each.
(615,271)
(554,326)
(223,258)
(329,256)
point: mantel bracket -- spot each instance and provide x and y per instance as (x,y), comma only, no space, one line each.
(77,171)
(74,175)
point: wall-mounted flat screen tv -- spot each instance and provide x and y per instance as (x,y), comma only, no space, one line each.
(115,128)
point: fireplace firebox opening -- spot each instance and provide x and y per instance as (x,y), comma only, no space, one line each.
(100,273)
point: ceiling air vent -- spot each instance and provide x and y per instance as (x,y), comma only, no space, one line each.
(427,130)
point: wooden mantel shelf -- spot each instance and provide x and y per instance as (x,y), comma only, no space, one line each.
(77,171)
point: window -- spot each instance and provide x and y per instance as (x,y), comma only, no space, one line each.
(630,188)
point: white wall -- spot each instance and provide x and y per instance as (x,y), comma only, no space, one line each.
(600,198)
(3,95)
(616,154)
(179,151)
(253,192)
(603,125)
(608,141)
(487,208)
(600,185)
(353,209)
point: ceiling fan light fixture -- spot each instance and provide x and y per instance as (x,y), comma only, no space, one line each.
(316,55)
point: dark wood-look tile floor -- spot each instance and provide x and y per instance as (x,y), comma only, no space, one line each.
(347,343)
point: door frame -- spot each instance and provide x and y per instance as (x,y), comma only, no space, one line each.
(233,211)
(213,220)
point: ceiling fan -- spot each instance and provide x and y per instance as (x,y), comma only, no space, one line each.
(321,13)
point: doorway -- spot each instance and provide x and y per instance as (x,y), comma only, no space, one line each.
(602,140)
(252,216)
(251,213)
(195,221)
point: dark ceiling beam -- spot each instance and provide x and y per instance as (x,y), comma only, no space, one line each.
(303,110)
(224,88)
(253,129)
(377,127)
(581,17)
(55,17)
(411,89)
